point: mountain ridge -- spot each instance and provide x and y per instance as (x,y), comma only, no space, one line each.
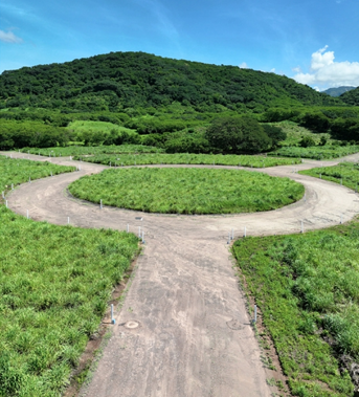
(130,79)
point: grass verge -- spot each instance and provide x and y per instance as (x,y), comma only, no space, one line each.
(187,190)
(55,284)
(306,287)
(188,158)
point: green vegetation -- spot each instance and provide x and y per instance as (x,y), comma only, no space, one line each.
(351,97)
(316,152)
(295,133)
(119,80)
(306,287)
(91,150)
(13,171)
(187,191)
(188,158)
(346,174)
(55,283)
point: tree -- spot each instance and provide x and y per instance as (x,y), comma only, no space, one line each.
(238,135)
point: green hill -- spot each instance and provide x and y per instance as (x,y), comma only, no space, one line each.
(120,80)
(351,97)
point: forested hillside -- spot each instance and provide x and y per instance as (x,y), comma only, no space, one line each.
(120,80)
(351,97)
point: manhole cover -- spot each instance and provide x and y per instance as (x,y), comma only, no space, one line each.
(234,324)
(132,324)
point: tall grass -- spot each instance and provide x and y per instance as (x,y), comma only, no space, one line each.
(346,174)
(91,150)
(316,152)
(307,289)
(187,190)
(55,283)
(189,158)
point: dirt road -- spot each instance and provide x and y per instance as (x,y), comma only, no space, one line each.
(183,330)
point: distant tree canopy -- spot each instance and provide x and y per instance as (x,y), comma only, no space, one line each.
(120,80)
(351,97)
(237,135)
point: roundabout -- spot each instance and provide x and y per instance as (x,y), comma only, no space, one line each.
(184,287)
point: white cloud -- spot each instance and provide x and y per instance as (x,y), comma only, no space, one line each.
(9,37)
(243,65)
(325,72)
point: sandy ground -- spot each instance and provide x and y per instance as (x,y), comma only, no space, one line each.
(183,330)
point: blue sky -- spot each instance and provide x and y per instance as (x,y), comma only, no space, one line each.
(315,42)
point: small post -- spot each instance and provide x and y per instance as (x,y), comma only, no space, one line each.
(128,228)
(29,179)
(68,220)
(232,236)
(100,204)
(301,227)
(255,313)
(27,214)
(305,197)
(79,167)
(71,158)
(245,232)
(6,204)
(143,237)
(51,173)
(113,321)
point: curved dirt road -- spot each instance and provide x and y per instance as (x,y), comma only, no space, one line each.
(193,337)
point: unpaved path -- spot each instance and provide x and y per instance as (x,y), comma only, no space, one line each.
(193,337)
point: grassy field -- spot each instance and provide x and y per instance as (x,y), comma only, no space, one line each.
(316,152)
(91,150)
(346,174)
(187,190)
(187,158)
(55,283)
(295,133)
(307,288)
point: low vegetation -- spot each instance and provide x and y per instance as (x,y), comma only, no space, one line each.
(189,158)
(306,287)
(346,174)
(316,152)
(91,150)
(55,283)
(187,190)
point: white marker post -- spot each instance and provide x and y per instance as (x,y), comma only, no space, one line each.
(255,313)
(6,204)
(12,186)
(245,232)
(29,180)
(100,204)
(113,321)
(232,237)
(27,214)
(68,220)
